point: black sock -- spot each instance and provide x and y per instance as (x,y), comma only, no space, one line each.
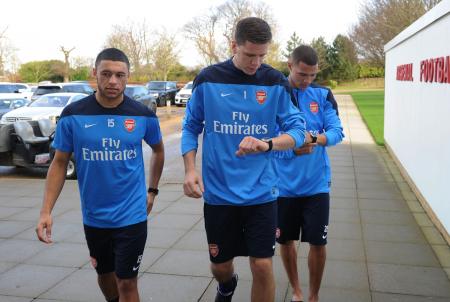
(113,300)
(227,288)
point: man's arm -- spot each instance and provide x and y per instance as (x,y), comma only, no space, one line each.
(155,171)
(56,177)
(250,144)
(193,184)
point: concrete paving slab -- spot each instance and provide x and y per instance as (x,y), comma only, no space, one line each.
(409,280)
(4,266)
(163,238)
(415,206)
(386,194)
(344,230)
(342,274)
(10,228)
(150,256)
(345,215)
(62,254)
(185,206)
(6,212)
(81,286)
(328,294)
(393,233)
(343,193)
(23,201)
(169,195)
(182,263)
(15,299)
(386,217)
(400,253)
(31,280)
(162,287)
(433,236)
(193,240)
(174,221)
(386,297)
(343,203)
(423,220)
(13,250)
(382,204)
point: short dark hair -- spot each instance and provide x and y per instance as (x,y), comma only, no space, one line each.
(112,54)
(254,30)
(305,54)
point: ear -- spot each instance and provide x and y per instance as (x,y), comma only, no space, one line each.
(94,72)
(289,63)
(234,46)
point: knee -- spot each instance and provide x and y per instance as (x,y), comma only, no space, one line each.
(127,285)
(222,271)
(261,266)
(318,250)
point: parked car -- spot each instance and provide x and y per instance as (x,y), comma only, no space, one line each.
(48,106)
(163,91)
(140,93)
(19,89)
(46,88)
(9,101)
(183,96)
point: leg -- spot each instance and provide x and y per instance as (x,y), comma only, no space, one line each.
(316,263)
(222,271)
(263,287)
(108,285)
(289,256)
(128,291)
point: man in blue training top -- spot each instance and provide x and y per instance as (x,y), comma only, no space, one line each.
(105,133)
(305,176)
(238,105)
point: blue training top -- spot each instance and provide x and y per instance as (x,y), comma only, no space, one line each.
(228,105)
(310,174)
(107,144)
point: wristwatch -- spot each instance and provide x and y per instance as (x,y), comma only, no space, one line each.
(314,138)
(269,141)
(153,190)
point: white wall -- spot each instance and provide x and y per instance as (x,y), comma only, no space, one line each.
(417,114)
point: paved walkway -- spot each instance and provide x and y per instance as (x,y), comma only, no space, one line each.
(382,246)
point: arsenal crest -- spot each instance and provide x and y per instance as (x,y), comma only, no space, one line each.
(213,250)
(277,233)
(261,96)
(130,124)
(314,107)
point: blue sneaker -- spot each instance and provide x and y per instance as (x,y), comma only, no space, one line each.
(220,297)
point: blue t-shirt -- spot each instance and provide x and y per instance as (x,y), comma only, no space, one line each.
(107,145)
(227,105)
(310,174)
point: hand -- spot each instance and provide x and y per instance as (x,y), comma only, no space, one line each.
(250,145)
(150,201)
(193,185)
(305,149)
(45,224)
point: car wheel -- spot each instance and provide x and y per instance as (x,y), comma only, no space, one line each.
(71,170)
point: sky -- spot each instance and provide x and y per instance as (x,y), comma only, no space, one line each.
(37,29)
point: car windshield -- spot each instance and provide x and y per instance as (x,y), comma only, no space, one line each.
(129,91)
(45,90)
(50,101)
(7,88)
(157,85)
(5,104)
(188,86)
(77,88)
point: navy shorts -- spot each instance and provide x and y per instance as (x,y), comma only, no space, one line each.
(240,231)
(117,250)
(308,215)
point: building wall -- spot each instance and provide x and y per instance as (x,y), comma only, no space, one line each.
(417,110)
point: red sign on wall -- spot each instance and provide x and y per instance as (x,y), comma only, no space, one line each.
(436,70)
(404,72)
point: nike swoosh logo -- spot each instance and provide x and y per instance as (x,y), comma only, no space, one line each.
(136,268)
(89,125)
(225,94)
(324,237)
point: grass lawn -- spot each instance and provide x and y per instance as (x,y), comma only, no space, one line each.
(371,107)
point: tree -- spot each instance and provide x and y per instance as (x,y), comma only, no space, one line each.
(380,21)
(133,38)
(37,71)
(212,33)
(202,31)
(66,53)
(343,59)
(323,52)
(164,55)
(7,51)
(293,42)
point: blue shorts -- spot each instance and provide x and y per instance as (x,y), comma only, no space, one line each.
(240,231)
(117,250)
(308,215)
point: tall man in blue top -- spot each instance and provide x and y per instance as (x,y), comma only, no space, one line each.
(238,104)
(105,133)
(305,175)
